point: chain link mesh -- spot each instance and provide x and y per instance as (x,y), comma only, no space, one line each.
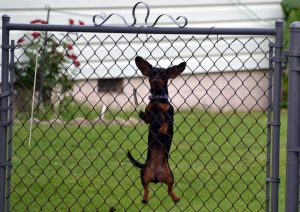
(77,157)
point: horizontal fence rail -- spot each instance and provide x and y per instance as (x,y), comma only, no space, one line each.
(143,30)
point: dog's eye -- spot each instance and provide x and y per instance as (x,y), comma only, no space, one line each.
(164,75)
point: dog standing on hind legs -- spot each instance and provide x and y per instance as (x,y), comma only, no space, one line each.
(159,115)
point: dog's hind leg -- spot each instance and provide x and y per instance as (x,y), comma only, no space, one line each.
(147,175)
(170,182)
(172,194)
(146,193)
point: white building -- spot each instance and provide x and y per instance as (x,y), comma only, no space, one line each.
(214,83)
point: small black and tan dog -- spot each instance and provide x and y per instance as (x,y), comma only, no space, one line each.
(159,115)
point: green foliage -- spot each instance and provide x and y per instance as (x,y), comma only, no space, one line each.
(292,13)
(56,64)
(289,5)
(285,85)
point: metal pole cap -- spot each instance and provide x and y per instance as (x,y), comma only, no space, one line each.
(295,25)
(5,18)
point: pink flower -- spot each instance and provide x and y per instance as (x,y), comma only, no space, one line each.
(38,21)
(35,34)
(72,56)
(71,21)
(81,23)
(20,41)
(76,63)
(70,46)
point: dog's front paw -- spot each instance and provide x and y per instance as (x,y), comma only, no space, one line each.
(141,115)
(164,128)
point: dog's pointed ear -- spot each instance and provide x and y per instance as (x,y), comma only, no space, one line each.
(174,71)
(143,65)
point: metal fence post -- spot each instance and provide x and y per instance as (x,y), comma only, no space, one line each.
(276,116)
(293,137)
(10,121)
(4,110)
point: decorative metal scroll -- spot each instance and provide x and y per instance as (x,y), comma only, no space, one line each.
(99,20)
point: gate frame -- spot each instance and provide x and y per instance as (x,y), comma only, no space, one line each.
(4,96)
(277,32)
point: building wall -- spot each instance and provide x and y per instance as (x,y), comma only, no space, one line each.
(218,13)
(199,89)
(227,91)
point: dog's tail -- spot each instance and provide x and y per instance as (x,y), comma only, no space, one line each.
(134,161)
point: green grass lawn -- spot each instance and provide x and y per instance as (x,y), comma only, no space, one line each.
(218,161)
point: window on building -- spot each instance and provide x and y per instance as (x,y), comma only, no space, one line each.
(110,85)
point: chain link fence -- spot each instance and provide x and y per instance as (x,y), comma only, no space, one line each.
(86,118)
(70,103)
